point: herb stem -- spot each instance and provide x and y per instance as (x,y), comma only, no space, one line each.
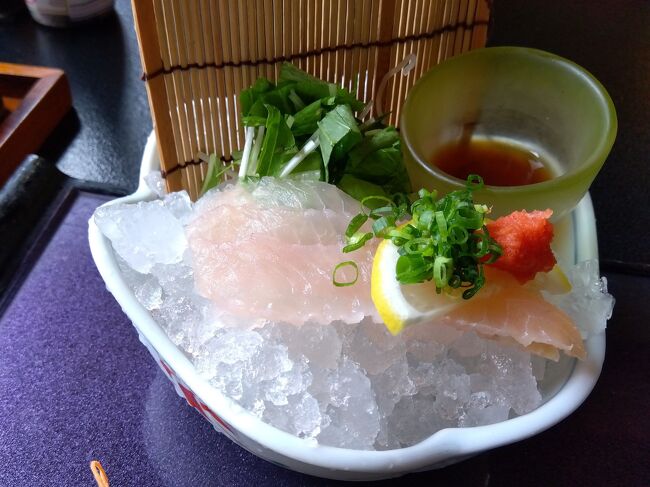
(257,145)
(310,146)
(250,133)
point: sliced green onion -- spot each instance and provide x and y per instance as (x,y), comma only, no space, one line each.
(347,263)
(474,182)
(442,225)
(458,234)
(355,224)
(381,226)
(411,269)
(357,241)
(375,198)
(382,211)
(416,245)
(469,218)
(397,233)
(482,208)
(440,271)
(478,284)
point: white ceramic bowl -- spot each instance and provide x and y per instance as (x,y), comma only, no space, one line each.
(561,397)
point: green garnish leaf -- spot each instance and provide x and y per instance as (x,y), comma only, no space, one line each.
(338,133)
(306,120)
(360,189)
(378,159)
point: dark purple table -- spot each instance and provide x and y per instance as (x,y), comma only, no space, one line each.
(76,385)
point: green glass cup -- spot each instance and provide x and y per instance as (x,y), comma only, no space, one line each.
(524,97)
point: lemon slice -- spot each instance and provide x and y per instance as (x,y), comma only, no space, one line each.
(402,305)
(554,281)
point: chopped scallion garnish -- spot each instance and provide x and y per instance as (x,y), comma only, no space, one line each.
(446,239)
(347,263)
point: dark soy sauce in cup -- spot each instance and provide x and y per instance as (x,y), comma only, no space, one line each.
(498,163)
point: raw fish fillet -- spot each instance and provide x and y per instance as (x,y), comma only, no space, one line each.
(266,251)
(508,311)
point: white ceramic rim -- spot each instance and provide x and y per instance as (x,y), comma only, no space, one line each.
(443,445)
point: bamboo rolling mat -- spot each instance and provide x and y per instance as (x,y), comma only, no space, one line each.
(197,55)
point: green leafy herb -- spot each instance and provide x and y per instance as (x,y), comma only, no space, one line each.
(359,188)
(378,159)
(446,239)
(338,133)
(305,128)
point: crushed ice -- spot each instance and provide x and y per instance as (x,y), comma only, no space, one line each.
(353,386)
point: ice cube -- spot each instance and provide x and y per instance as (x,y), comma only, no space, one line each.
(480,410)
(374,348)
(149,293)
(306,415)
(321,345)
(180,205)
(510,372)
(352,409)
(143,234)
(391,385)
(414,419)
(156,183)
(589,303)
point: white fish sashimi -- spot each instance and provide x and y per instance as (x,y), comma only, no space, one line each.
(266,251)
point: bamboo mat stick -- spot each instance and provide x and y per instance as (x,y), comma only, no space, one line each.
(254,36)
(220,82)
(338,41)
(266,27)
(346,61)
(479,33)
(192,51)
(229,115)
(364,68)
(429,8)
(310,34)
(373,52)
(451,34)
(209,79)
(301,32)
(399,83)
(467,33)
(148,40)
(176,84)
(185,94)
(354,67)
(431,45)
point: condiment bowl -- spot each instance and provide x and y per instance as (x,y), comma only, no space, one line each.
(562,393)
(524,97)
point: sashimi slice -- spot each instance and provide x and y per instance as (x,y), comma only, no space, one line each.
(506,310)
(266,251)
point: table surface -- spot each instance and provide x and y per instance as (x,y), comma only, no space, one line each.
(75,383)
